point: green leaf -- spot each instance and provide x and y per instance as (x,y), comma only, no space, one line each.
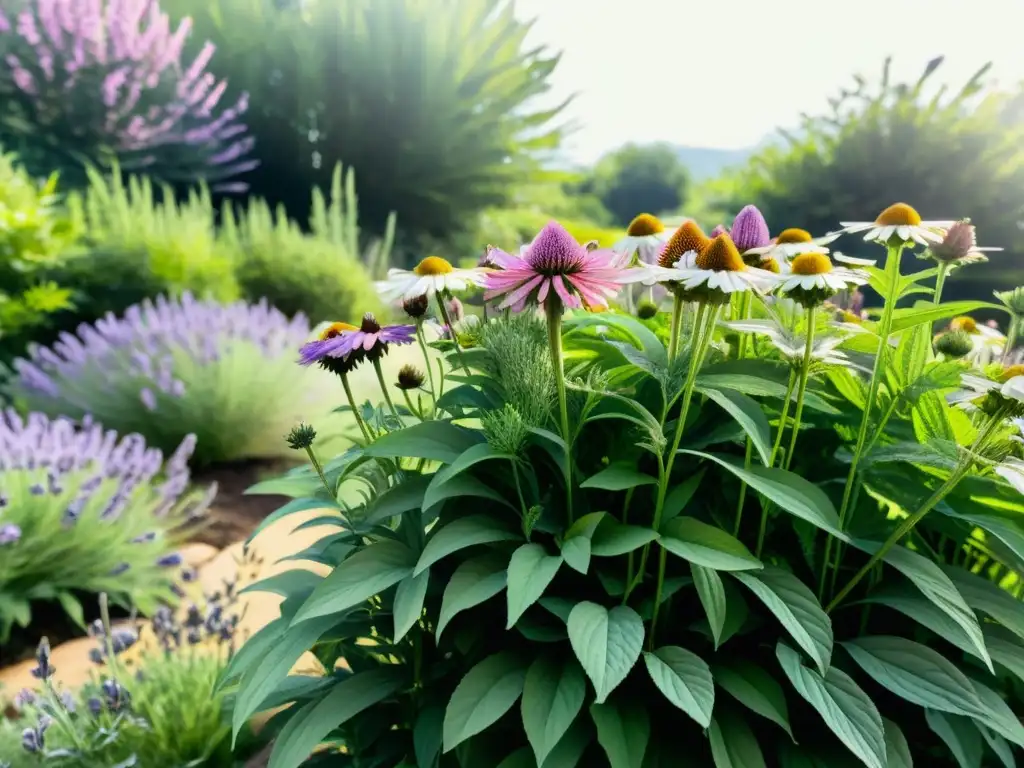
(474,581)
(400,498)
(847,711)
(530,571)
(408,607)
(999,745)
(292,507)
(786,489)
(576,553)
(1005,650)
(607,643)
(469,458)
(926,312)
(989,598)
(915,673)
(618,477)
(308,727)
(368,572)
(462,533)
(959,735)
(755,689)
(748,414)
(285,583)
(733,744)
(711,592)
(685,680)
(434,440)
(487,692)
(796,607)
(612,538)
(706,545)
(623,733)
(939,589)
(426,736)
(521,758)
(998,716)
(552,698)
(897,750)
(680,496)
(73,608)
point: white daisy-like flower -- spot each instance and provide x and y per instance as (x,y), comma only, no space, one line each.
(901,221)
(431,276)
(718,268)
(1012,471)
(987,343)
(815,272)
(1010,386)
(792,242)
(646,237)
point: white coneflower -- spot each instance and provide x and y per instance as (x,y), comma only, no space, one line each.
(645,237)
(811,277)
(431,276)
(716,272)
(899,221)
(792,242)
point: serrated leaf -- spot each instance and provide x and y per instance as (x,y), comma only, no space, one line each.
(409,596)
(755,689)
(607,643)
(733,744)
(706,545)
(847,711)
(959,735)
(685,680)
(473,582)
(796,607)
(487,692)
(711,592)
(460,534)
(623,733)
(530,571)
(552,698)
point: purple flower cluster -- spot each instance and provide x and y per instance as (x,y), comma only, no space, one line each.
(65,58)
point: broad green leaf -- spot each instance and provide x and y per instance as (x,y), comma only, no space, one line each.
(285,583)
(569,750)
(897,750)
(612,538)
(1006,650)
(938,588)
(434,440)
(552,698)
(937,453)
(607,643)
(521,758)
(733,744)
(847,711)
(409,596)
(469,458)
(926,312)
(400,498)
(754,376)
(73,608)
(796,607)
(366,573)
(618,477)
(296,486)
(530,571)
(755,689)
(685,680)
(629,327)
(748,413)
(998,745)
(461,486)
(623,733)
(576,553)
(1004,526)
(707,545)
(915,673)
(711,592)
(998,715)
(474,581)
(982,595)
(585,525)
(680,496)
(959,735)
(426,736)
(252,650)
(263,676)
(308,727)
(848,385)
(487,692)
(786,489)
(293,507)
(461,533)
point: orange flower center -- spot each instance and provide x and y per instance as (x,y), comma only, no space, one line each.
(964,323)
(811,264)
(1011,371)
(721,256)
(769,265)
(794,235)
(645,224)
(688,237)
(336,329)
(433,265)
(898,215)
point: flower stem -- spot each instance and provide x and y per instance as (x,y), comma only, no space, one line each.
(384,389)
(426,361)
(1011,336)
(766,505)
(940,281)
(319,470)
(677,322)
(747,458)
(412,408)
(805,370)
(451,329)
(553,310)
(355,410)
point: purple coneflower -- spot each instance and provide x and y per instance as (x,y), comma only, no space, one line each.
(749,230)
(555,265)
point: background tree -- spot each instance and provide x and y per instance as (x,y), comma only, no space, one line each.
(639,178)
(948,156)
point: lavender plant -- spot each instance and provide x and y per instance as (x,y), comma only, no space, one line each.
(83,510)
(99,81)
(168,368)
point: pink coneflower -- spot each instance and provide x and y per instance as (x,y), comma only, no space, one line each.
(555,264)
(341,347)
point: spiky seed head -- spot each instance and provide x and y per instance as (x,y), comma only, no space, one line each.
(644,225)
(689,237)
(899,215)
(955,344)
(410,377)
(721,256)
(646,310)
(416,307)
(301,437)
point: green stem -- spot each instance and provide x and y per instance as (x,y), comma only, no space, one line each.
(319,470)
(741,350)
(805,370)
(940,282)
(553,310)
(747,458)
(766,506)
(519,488)
(412,408)
(677,322)
(426,361)
(629,559)
(451,329)
(1011,336)
(355,410)
(384,389)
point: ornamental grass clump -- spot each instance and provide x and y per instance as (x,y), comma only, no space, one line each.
(168,368)
(738,532)
(84,511)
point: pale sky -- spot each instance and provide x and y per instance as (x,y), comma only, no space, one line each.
(724,73)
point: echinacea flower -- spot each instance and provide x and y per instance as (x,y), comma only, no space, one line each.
(900,222)
(811,277)
(681,251)
(1004,393)
(717,272)
(988,343)
(958,246)
(953,344)
(431,276)
(555,265)
(341,347)
(749,230)
(720,229)
(792,242)
(645,236)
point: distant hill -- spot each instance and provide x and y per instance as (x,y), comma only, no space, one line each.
(707,162)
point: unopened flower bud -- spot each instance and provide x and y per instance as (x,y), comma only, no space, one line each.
(416,307)
(958,242)
(43,668)
(954,344)
(410,377)
(301,437)
(749,229)
(455,310)
(718,230)
(646,310)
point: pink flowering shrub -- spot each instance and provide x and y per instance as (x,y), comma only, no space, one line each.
(103,81)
